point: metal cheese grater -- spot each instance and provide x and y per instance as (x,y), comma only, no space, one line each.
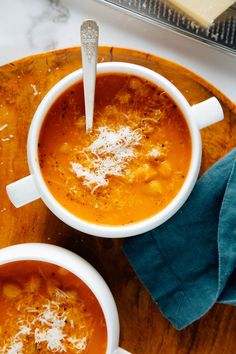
(222,34)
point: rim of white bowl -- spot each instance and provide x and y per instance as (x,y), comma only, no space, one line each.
(119,231)
(79,267)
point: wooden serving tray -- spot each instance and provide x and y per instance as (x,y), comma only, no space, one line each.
(144,330)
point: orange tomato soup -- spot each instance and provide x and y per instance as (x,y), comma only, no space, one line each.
(133,163)
(46,309)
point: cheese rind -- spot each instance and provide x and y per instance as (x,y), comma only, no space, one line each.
(202,11)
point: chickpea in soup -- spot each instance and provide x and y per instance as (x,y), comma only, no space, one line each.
(132,165)
(47,309)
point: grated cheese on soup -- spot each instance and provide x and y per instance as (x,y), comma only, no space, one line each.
(4,126)
(47,323)
(111,151)
(40,316)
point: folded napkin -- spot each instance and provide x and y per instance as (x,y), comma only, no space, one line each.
(188,263)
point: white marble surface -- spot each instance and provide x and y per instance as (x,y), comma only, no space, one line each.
(33,26)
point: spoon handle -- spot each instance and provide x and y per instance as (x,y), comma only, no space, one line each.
(89,32)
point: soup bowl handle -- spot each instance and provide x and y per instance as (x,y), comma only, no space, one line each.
(121,351)
(207,112)
(23,191)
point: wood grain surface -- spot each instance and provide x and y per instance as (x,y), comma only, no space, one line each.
(144,330)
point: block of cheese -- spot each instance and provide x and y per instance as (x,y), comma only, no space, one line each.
(203,11)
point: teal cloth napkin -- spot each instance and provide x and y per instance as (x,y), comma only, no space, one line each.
(188,263)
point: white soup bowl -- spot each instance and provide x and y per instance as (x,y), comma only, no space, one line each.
(33,186)
(79,267)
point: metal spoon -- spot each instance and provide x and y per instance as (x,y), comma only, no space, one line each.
(89,32)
